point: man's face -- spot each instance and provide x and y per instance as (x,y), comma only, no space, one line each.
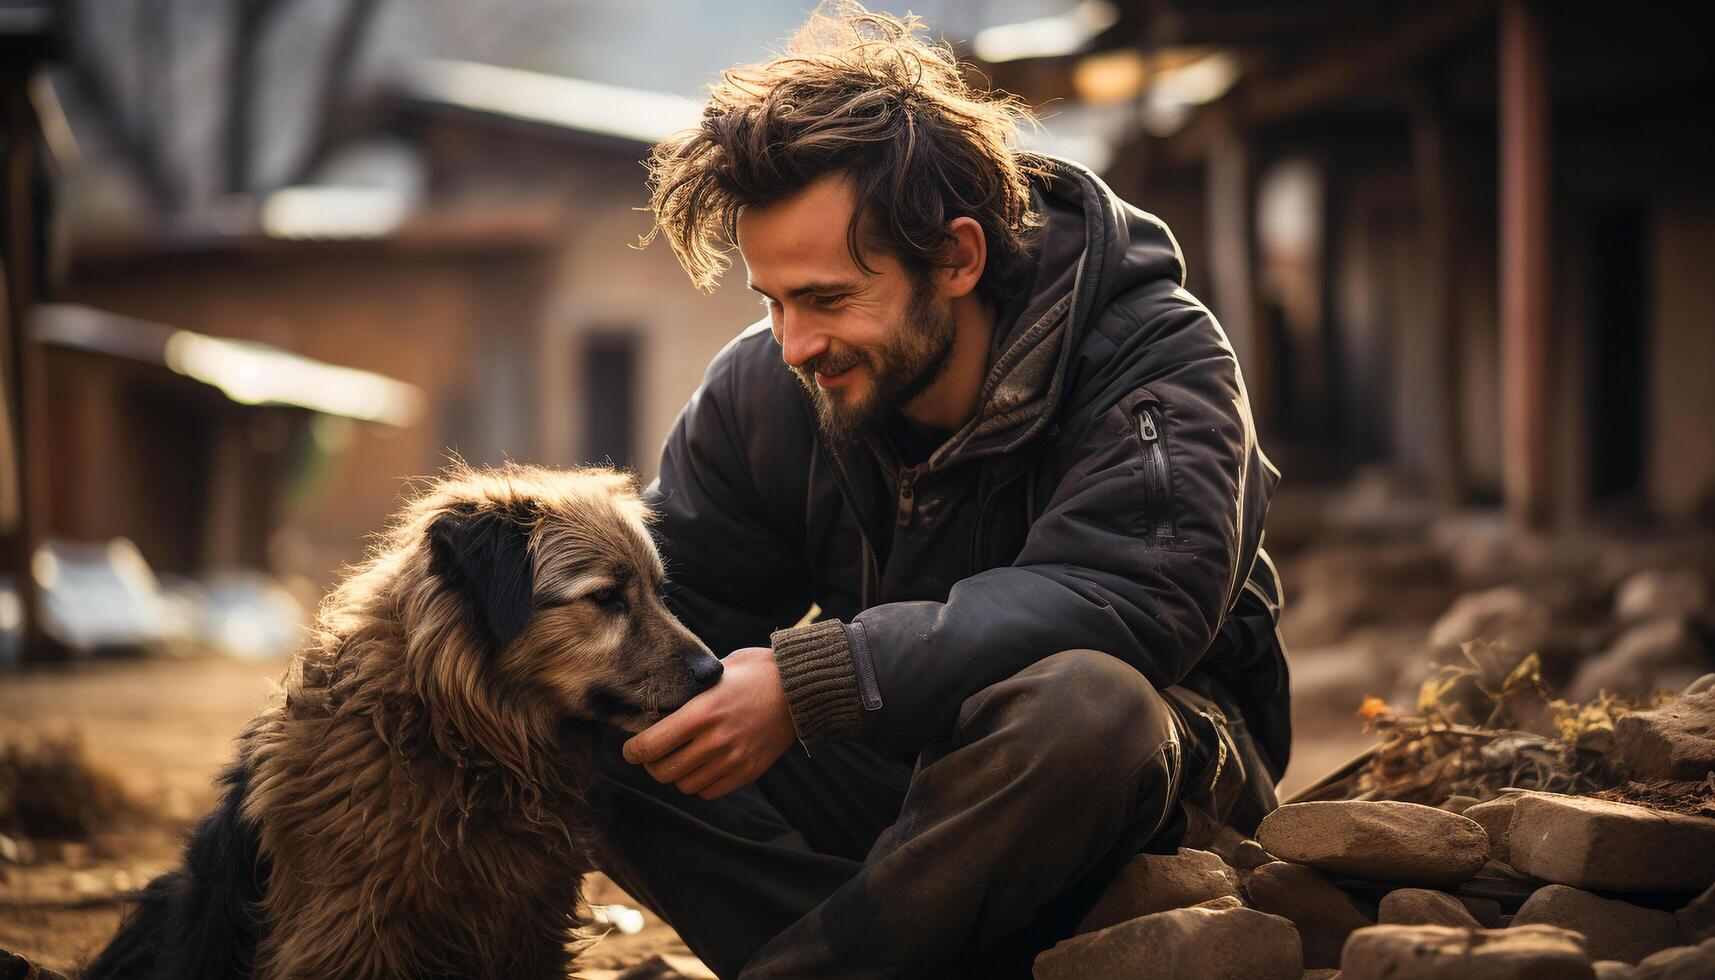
(864,345)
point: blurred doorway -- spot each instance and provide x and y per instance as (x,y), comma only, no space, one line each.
(610,397)
(1619,347)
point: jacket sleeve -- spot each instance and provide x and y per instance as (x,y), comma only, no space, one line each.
(735,569)
(1119,561)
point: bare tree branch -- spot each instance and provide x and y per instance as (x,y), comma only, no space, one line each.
(336,78)
(138,154)
(251,26)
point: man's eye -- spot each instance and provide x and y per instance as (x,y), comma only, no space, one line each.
(830,302)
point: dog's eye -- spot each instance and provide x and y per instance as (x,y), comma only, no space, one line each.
(609,599)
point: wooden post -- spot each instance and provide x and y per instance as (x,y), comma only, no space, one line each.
(1434,296)
(25,458)
(1232,267)
(1524,254)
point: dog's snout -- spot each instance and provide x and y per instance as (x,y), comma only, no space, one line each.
(705,670)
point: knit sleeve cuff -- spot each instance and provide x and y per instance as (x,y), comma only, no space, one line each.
(815,664)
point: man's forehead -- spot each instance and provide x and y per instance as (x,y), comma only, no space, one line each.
(799,239)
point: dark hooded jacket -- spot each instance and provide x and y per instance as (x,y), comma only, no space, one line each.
(1109,494)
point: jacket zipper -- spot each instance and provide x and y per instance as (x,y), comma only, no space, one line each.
(983,509)
(907,500)
(1158,481)
(871,565)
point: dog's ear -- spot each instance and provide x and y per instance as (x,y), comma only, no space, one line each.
(487,556)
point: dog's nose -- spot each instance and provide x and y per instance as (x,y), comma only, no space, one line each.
(705,671)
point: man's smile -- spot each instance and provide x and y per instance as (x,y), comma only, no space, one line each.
(835,380)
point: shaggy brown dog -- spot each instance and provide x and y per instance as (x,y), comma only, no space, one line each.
(414,802)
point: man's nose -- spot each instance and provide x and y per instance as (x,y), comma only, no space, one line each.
(799,343)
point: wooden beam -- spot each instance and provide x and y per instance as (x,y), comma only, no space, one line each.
(1435,292)
(1329,76)
(1231,176)
(22,358)
(1525,177)
(1347,70)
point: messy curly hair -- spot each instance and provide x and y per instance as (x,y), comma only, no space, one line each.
(866,95)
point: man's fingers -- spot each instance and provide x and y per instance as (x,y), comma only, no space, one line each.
(677,764)
(662,737)
(701,778)
(726,784)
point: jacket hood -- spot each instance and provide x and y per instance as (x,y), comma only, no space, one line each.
(1091,246)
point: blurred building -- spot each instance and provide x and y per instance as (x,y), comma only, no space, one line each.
(493,276)
(448,273)
(1461,238)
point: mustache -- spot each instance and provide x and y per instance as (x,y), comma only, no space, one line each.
(829,364)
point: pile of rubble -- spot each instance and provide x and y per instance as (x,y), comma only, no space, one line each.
(1613,879)
(1384,619)
(1533,885)
(51,790)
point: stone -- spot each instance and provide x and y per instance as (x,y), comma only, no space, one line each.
(1224,902)
(1181,944)
(1674,741)
(1324,914)
(1459,804)
(1486,911)
(1424,907)
(1656,592)
(1232,848)
(1378,840)
(1151,883)
(1445,953)
(1507,616)
(1221,843)
(1701,684)
(1668,653)
(1250,855)
(1680,963)
(1697,919)
(1614,970)
(1320,974)
(1495,816)
(1604,845)
(1613,930)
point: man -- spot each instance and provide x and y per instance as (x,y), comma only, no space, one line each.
(988,438)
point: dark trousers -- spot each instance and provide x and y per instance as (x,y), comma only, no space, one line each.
(969,859)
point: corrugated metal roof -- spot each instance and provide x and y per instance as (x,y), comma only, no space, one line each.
(248,373)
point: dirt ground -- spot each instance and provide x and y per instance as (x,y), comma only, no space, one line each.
(164,726)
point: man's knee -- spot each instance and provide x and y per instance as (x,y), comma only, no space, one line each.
(1079,707)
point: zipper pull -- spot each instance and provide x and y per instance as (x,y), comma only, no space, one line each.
(1146,426)
(907,505)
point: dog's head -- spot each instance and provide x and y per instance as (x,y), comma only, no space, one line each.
(552,577)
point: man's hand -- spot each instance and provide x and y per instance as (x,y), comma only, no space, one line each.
(726,736)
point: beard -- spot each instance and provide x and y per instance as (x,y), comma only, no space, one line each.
(900,369)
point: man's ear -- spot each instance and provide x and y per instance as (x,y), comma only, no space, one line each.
(487,556)
(967,259)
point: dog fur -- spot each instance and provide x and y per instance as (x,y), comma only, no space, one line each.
(416,800)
